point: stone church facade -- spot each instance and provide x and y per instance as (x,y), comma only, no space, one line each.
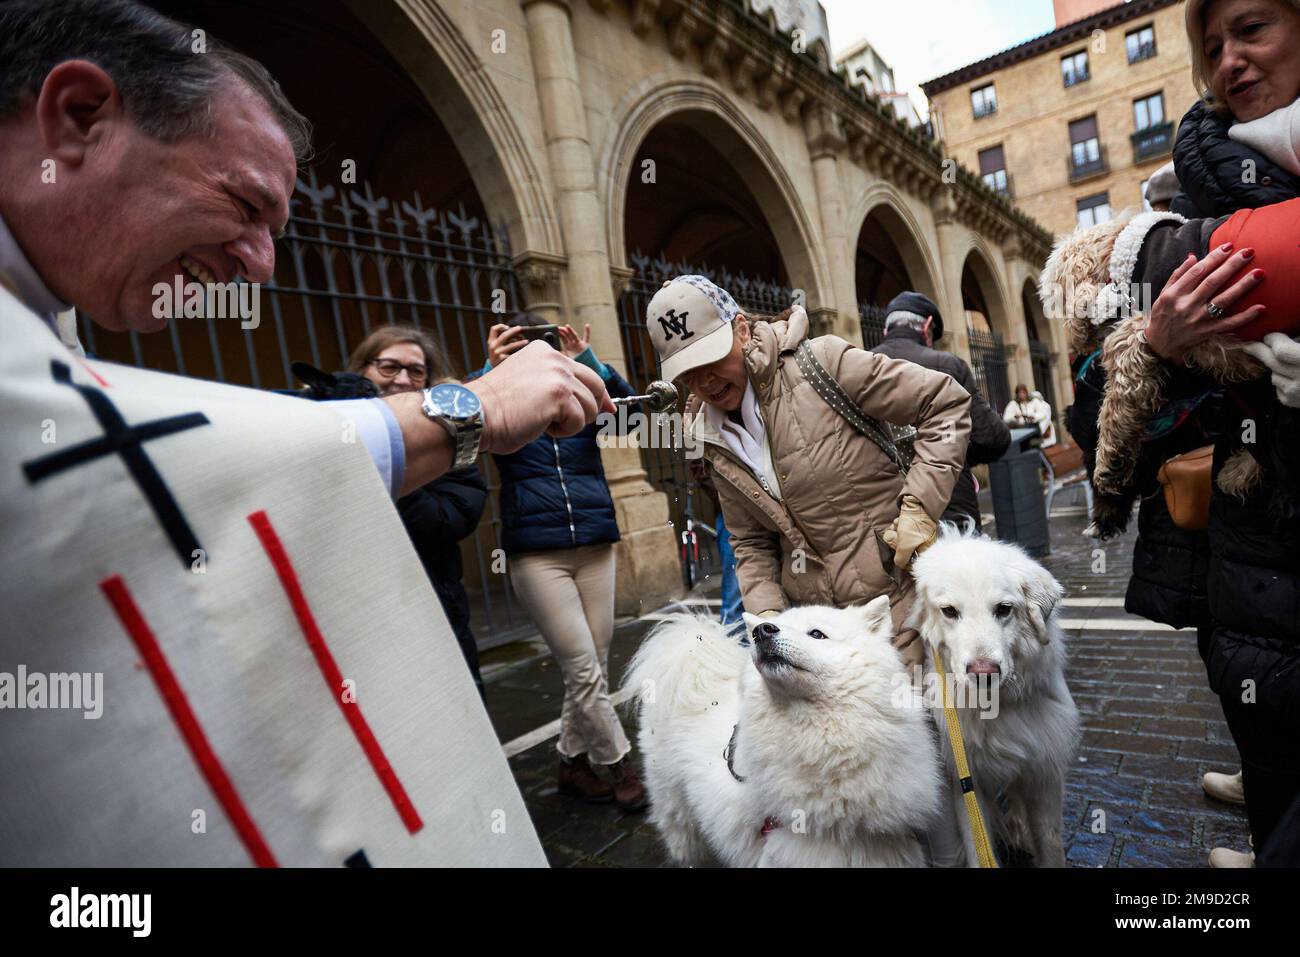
(563,156)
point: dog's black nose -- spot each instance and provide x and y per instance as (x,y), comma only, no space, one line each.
(765,630)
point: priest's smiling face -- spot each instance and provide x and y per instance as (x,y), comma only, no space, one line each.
(129,211)
(205,208)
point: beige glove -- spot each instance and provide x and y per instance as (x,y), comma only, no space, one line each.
(912,532)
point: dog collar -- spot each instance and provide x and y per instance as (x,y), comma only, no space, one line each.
(729,753)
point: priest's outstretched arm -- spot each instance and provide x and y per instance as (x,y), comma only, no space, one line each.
(538,391)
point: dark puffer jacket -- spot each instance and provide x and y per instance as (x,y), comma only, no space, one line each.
(1253,580)
(437,517)
(1210,168)
(1170,564)
(989,435)
(553,491)
(1254,571)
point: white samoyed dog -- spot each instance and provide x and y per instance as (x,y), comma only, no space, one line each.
(796,752)
(990,611)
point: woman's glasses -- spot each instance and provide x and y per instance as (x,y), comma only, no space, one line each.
(389,368)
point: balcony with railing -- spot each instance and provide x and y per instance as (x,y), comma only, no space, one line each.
(1082,166)
(1153,141)
(1074,77)
(1138,52)
(1000,181)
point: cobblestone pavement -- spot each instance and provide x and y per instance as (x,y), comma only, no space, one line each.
(1133,799)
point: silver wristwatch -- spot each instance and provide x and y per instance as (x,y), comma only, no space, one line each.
(460,412)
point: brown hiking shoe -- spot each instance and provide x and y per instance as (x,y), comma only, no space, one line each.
(629,792)
(578,779)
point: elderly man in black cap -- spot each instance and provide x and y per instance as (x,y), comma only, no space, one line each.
(912,326)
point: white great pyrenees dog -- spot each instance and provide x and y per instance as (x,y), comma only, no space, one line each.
(797,752)
(990,610)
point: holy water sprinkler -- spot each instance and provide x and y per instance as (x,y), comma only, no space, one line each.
(661,397)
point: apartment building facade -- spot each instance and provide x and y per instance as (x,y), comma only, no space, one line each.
(1071,125)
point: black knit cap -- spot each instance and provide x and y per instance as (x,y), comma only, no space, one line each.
(920,305)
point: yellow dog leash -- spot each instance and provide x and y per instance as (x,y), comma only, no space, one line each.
(983,850)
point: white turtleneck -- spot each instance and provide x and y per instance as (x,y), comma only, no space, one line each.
(747,439)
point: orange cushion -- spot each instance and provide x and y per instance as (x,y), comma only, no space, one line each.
(1274,233)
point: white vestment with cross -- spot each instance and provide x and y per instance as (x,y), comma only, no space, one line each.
(279,682)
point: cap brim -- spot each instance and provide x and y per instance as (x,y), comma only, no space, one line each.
(705,350)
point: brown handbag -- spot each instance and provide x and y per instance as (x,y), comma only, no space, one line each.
(1187,486)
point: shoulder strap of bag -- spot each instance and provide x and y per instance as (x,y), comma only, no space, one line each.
(834,395)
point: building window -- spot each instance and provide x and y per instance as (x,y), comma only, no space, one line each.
(1140,43)
(1086,155)
(993,170)
(1149,111)
(1093,209)
(1154,135)
(1074,68)
(984,101)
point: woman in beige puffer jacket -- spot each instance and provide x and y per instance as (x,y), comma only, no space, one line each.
(806,529)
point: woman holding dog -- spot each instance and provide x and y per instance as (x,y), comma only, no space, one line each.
(1212,274)
(818,512)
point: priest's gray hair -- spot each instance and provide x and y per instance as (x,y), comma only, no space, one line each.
(166,86)
(908,320)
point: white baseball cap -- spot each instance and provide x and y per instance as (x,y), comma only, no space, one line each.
(689,320)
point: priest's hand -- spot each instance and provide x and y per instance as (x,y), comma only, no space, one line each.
(539,391)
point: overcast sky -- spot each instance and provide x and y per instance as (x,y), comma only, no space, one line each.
(923,39)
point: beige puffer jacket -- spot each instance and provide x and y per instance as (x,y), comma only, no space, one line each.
(837,487)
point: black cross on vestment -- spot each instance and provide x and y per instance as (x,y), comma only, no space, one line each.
(126,441)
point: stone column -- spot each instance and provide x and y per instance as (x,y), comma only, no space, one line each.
(825,142)
(648,572)
(951,233)
(1017,322)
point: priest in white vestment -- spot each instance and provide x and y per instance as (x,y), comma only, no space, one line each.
(221,570)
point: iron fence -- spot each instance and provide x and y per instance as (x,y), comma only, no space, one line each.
(666,468)
(872,320)
(988,359)
(350,261)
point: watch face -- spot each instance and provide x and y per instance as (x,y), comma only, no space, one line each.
(455,401)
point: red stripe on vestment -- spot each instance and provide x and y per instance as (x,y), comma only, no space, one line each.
(142,635)
(275,551)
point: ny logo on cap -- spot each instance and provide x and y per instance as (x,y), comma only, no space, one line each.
(673,323)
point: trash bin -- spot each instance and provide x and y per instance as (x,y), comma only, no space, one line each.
(1018,505)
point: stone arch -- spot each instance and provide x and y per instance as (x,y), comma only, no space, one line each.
(459,89)
(979,261)
(886,204)
(706,107)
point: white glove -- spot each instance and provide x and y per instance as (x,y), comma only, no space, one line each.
(1281,354)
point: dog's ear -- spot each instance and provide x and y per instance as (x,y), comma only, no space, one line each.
(1042,592)
(875,613)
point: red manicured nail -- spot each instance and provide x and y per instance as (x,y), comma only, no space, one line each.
(1257,275)
(1226,247)
(1248,254)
